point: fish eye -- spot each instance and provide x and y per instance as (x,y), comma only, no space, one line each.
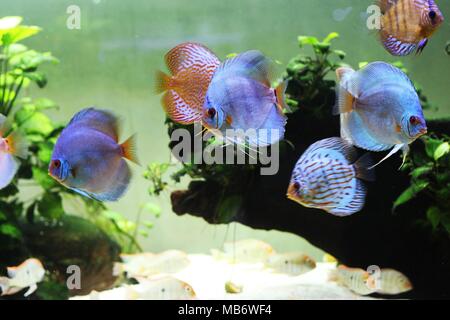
(211,112)
(414,120)
(432,14)
(296,186)
(56,163)
(188,289)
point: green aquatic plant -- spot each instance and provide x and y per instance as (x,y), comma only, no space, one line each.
(429,170)
(309,88)
(33,195)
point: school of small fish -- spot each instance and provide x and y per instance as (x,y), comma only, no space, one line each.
(163,276)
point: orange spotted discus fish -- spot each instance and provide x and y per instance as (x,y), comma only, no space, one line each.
(192,66)
(407,25)
(328,176)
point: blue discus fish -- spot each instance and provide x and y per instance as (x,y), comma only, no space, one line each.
(379,108)
(328,176)
(88,158)
(240,97)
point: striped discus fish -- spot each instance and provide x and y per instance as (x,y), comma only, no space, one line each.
(327,176)
(407,25)
(192,66)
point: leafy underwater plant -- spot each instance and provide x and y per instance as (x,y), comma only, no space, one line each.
(429,169)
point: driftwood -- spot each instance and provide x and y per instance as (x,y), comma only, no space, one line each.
(74,241)
(374,236)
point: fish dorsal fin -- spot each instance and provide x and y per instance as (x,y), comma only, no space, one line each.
(190,55)
(385,5)
(337,144)
(99,120)
(251,64)
(379,72)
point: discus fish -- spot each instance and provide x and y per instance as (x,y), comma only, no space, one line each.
(192,66)
(379,108)
(292,263)
(26,275)
(12,145)
(407,25)
(327,176)
(355,279)
(88,158)
(240,97)
(245,251)
(393,282)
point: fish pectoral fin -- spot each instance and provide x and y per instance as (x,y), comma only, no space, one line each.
(405,150)
(30,290)
(394,150)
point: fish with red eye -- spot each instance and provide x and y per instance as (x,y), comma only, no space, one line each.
(407,25)
(89,159)
(379,108)
(240,98)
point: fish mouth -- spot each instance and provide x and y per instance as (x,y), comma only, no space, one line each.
(292,192)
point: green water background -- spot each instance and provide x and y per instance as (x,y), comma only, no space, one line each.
(111,60)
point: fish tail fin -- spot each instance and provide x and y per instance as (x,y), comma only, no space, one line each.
(363,167)
(344,98)
(18,144)
(129,149)
(4,285)
(162,82)
(281,97)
